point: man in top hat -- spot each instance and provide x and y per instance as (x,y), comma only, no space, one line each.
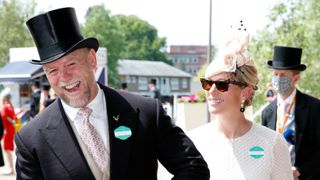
(44,97)
(294,114)
(155,92)
(35,99)
(92,131)
(124,87)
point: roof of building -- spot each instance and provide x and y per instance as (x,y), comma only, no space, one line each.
(19,72)
(149,68)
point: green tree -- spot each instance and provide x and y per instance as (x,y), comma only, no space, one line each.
(291,23)
(141,39)
(125,37)
(13,32)
(100,25)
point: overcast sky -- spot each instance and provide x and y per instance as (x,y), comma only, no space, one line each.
(182,22)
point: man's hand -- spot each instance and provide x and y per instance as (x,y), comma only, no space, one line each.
(295,172)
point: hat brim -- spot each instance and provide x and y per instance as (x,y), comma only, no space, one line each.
(299,67)
(85,43)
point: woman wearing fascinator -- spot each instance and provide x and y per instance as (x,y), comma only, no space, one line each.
(233,146)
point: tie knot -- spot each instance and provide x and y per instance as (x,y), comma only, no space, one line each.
(84,112)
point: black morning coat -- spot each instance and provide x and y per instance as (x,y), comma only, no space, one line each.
(47,147)
(307,135)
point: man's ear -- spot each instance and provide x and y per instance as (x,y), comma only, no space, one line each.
(92,58)
(296,78)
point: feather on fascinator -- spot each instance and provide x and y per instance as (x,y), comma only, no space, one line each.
(232,53)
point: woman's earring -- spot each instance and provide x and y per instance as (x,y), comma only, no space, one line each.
(242,109)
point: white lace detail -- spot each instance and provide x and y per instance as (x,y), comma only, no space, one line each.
(236,161)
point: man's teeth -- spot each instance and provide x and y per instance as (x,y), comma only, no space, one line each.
(72,85)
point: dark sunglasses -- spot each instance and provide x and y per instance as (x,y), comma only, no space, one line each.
(221,85)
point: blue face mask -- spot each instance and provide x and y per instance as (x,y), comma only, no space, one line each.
(281,84)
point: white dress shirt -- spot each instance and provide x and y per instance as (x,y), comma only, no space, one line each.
(290,124)
(98,117)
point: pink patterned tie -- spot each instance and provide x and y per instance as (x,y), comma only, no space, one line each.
(91,139)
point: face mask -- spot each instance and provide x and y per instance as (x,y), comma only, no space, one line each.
(281,84)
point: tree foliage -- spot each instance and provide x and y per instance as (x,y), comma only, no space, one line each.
(292,23)
(125,37)
(100,25)
(141,39)
(13,31)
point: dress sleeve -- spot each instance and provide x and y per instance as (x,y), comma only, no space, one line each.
(281,166)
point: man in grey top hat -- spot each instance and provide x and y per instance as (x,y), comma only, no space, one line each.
(294,114)
(92,131)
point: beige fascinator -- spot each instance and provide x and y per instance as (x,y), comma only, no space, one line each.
(232,53)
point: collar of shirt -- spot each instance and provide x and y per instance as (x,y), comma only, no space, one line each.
(96,105)
(98,118)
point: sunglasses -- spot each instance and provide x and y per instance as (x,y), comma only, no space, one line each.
(221,85)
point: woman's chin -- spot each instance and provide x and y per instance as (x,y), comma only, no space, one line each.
(214,110)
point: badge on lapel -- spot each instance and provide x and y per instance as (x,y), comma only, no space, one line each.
(116,118)
(122,132)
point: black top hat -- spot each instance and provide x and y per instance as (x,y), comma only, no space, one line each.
(287,58)
(153,81)
(124,85)
(57,33)
(46,87)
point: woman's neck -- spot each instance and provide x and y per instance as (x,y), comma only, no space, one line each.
(233,126)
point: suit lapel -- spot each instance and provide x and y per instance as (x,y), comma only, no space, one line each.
(301,113)
(61,139)
(122,118)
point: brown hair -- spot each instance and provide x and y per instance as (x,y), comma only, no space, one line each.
(248,75)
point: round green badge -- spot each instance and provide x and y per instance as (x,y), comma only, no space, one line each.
(122,132)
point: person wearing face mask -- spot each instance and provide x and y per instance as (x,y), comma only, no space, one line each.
(294,114)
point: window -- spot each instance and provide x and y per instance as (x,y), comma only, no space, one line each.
(174,84)
(194,70)
(192,50)
(195,60)
(184,83)
(143,83)
(133,79)
(128,79)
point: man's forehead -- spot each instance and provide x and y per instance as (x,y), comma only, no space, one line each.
(283,71)
(64,59)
